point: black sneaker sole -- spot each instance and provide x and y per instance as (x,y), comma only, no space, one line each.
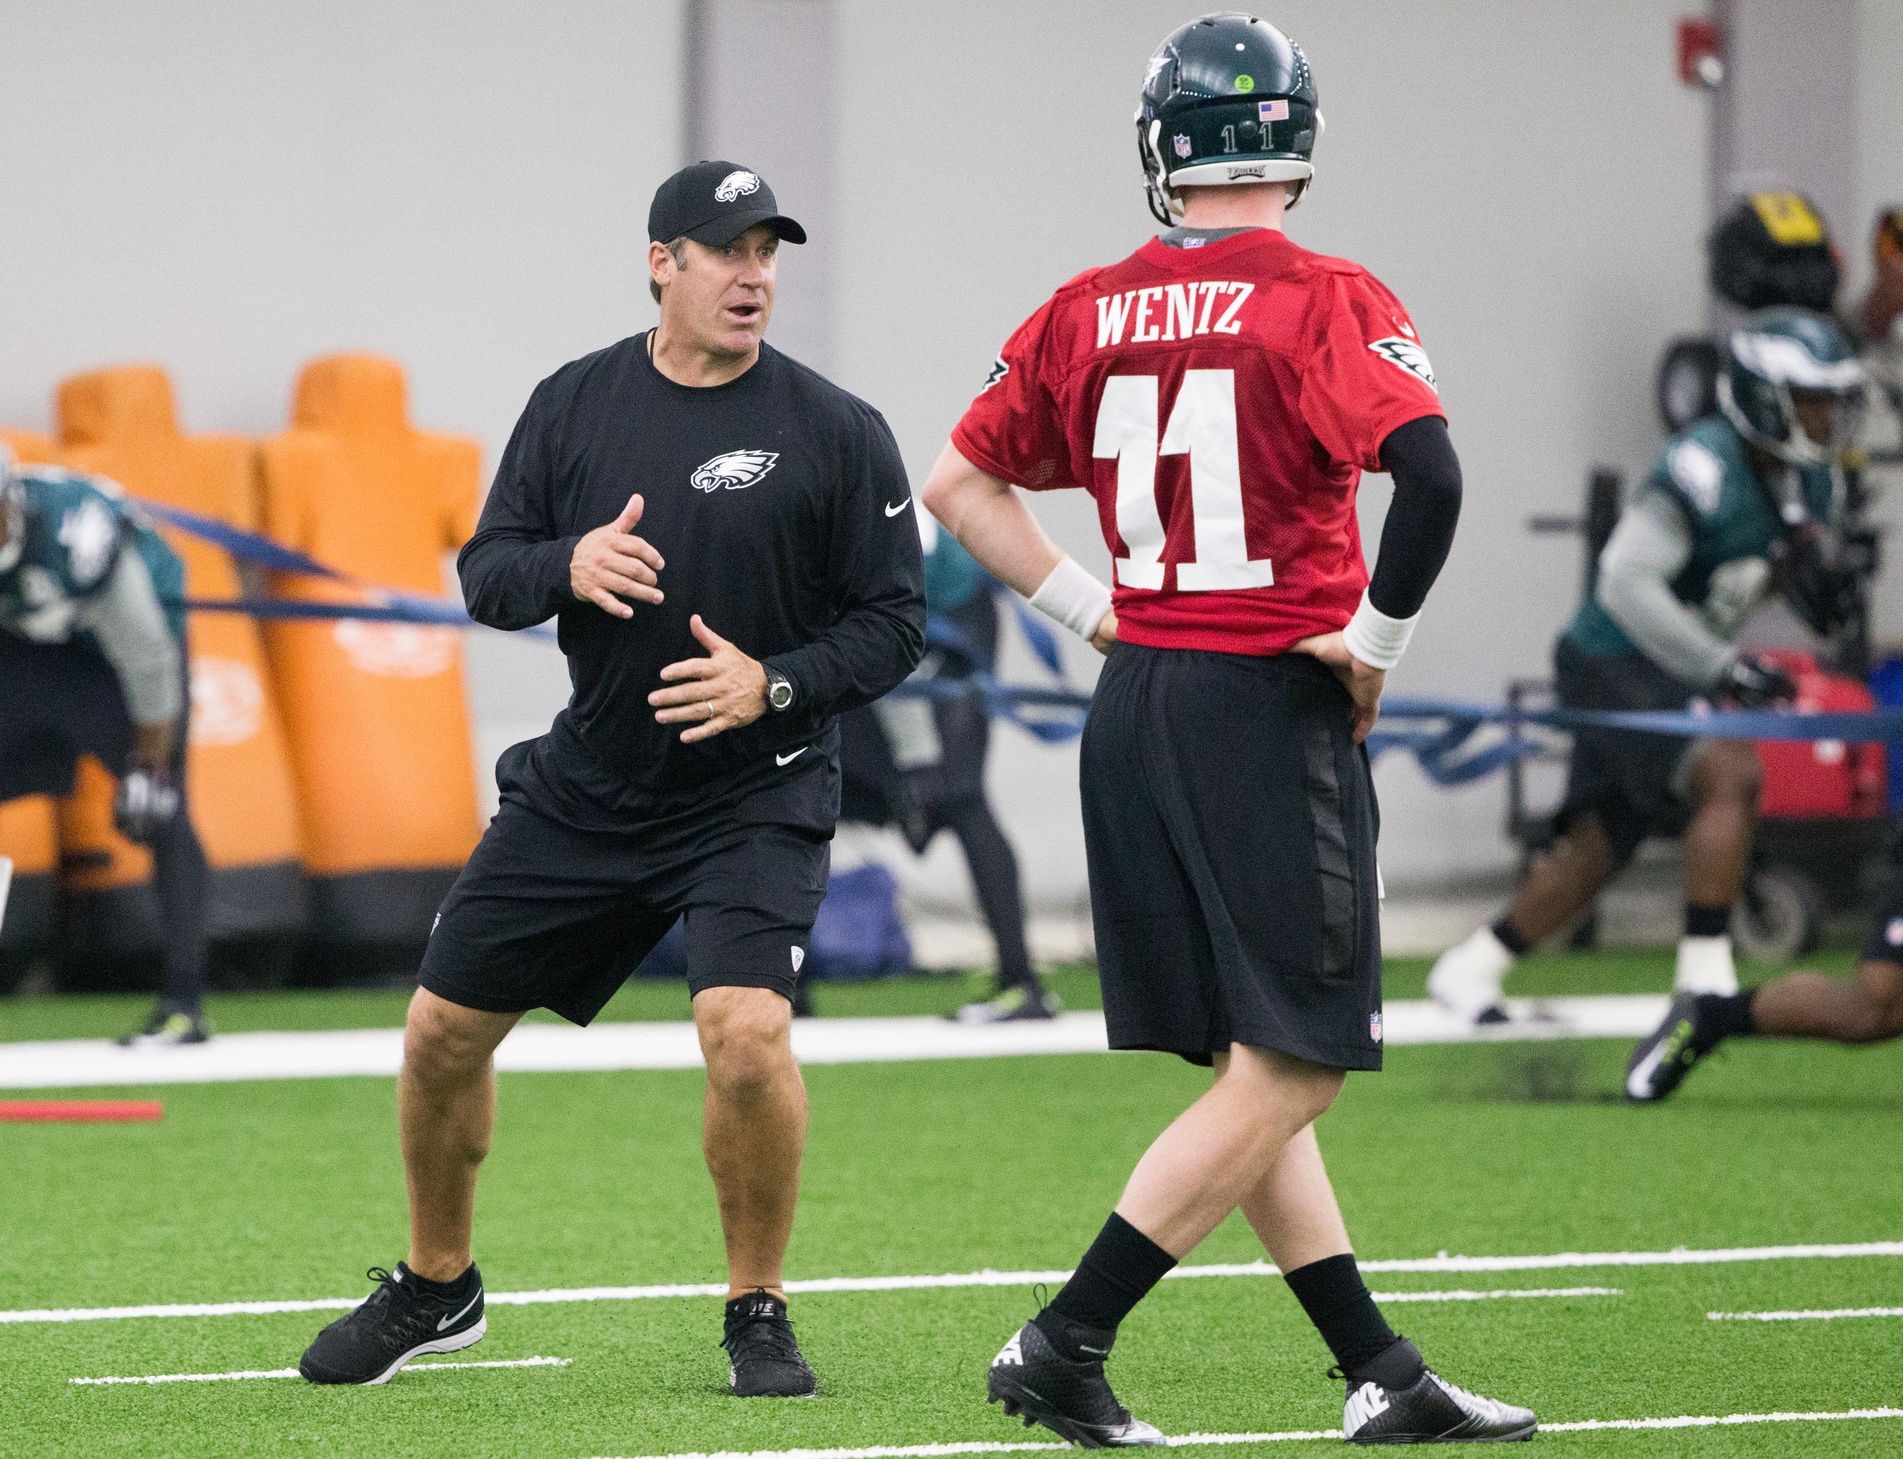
(1518,1436)
(454,1343)
(1025,1403)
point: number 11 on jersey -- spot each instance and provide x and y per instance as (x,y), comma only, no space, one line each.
(1202,425)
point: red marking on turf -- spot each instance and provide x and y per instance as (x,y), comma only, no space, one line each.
(80,1111)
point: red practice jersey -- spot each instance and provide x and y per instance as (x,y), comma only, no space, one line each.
(1220,403)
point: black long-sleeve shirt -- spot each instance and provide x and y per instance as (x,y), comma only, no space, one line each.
(780,505)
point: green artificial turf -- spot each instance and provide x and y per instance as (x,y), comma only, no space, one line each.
(289,1189)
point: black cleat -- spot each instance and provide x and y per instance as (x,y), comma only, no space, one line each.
(1430,1410)
(393,1324)
(1664,1057)
(1073,1400)
(167,1028)
(1017,1004)
(764,1358)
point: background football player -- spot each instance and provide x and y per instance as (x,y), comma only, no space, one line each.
(92,654)
(1689,562)
(1220,393)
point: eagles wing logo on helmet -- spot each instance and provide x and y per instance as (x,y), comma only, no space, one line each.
(735,469)
(735,185)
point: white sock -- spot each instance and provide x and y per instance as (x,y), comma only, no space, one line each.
(1705,966)
(1468,977)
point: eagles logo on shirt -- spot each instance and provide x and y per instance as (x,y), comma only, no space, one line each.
(999,369)
(734,469)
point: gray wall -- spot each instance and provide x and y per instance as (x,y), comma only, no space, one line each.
(232,188)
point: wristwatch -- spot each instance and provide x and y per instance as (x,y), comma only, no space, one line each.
(779,690)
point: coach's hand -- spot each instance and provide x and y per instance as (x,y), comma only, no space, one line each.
(611,563)
(712,695)
(1362,682)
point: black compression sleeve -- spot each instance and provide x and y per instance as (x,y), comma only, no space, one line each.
(1420,524)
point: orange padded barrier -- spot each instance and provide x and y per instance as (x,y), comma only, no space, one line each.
(121,424)
(378,713)
(29,447)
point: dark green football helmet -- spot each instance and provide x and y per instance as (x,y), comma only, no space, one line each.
(1793,384)
(1227,99)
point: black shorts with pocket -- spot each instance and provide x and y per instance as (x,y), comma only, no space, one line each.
(559,903)
(1230,824)
(1631,780)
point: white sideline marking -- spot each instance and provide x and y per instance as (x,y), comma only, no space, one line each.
(1819,1314)
(1197,1441)
(1576,1260)
(292,1372)
(561,1048)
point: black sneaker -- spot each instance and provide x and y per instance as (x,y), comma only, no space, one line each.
(1430,1410)
(394,1324)
(764,1359)
(1016,1004)
(1073,1400)
(167,1028)
(1665,1056)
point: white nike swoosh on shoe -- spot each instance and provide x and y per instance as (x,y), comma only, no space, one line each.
(449,1322)
(785,760)
(893,511)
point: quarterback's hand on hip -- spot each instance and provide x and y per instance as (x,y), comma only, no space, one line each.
(1363,682)
(611,564)
(712,695)
(1106,633)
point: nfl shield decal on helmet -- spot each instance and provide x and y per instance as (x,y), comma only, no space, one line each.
(734,469)
(1374,1025)
(1407,354)
(1181,144)
(736,185)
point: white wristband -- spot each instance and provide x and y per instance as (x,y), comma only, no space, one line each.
(1073,597)
(1376,639)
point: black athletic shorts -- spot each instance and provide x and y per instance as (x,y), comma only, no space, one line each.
(1883,943)
(59,701)
(1628,779)
(1230,825)
(555,909)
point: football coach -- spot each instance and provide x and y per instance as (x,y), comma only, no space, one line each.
(727,543)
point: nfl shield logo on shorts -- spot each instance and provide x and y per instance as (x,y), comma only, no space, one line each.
(1374,1025)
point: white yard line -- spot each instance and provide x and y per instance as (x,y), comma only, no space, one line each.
(1573,1260)
(1820,1314)
(1198,1441)
(293,1373)
(560,1048)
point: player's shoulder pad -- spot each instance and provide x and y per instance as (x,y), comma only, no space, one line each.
(85,522)
(1694,466)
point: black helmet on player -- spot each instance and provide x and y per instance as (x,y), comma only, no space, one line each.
(1793,384)
(1227,99)
(12,511)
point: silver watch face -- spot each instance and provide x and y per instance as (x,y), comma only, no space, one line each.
(779,693)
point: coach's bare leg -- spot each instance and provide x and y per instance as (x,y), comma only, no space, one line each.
(1218,1149)
(1866,1009)
(754,1130)
(446,1109)
(1726,778)
(1293,1208)
(1563,881)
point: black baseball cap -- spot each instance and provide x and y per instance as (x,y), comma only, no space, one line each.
(714,203)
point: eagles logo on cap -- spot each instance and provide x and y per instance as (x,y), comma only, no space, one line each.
(736,184)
